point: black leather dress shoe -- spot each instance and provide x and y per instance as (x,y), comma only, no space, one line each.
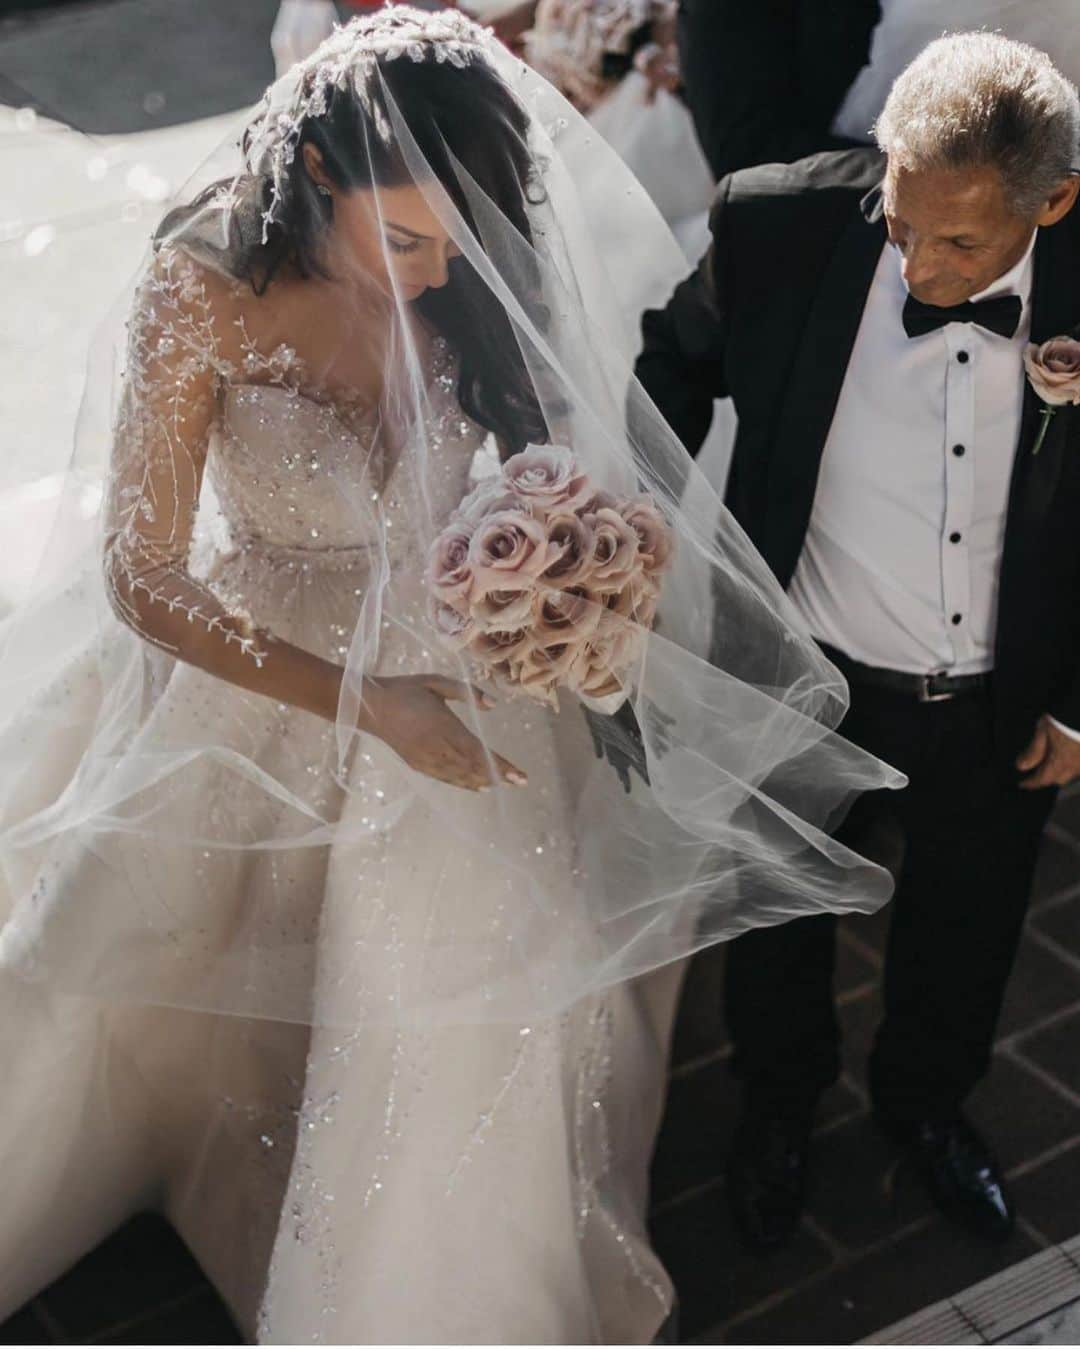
(766,1176)
(961,1174)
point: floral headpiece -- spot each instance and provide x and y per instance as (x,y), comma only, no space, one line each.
(349,56)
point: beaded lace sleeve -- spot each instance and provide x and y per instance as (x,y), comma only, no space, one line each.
(168,405)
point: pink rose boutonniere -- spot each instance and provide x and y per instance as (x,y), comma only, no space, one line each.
(1053,370)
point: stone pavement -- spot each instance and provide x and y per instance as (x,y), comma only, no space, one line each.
(1034,1302)
(860,1263)
(116,66)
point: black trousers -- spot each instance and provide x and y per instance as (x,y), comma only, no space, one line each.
(970,838)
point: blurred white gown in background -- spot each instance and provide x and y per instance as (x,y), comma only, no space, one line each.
(906,26)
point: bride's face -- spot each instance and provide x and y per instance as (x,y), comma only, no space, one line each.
(389,235)
(394,236)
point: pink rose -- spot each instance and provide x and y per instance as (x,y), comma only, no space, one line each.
(536,673)
(622,631)
(645,603)
(1054,370)
(567,616)
(503,610)
(449,575)
(620,635)
(572,539)
(456,629)
(602,500)
(547,478)
(497,649)
(508,551)
(489,498)
(654,534)
(605,662)
(634,604)
(551,663)
(597,670)
(615,551)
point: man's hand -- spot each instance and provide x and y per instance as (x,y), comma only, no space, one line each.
(1051,760)
(617,737)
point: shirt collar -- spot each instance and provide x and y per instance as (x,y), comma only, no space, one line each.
(1017,280)
(872,205)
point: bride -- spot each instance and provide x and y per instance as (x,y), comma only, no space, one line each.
(361,966)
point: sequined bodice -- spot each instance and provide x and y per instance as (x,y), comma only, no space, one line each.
(288,472)
(292,477)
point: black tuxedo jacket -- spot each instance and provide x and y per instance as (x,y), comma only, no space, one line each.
(764,78)
(770,318)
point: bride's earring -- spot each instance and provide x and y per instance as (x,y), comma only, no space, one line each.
(322,189)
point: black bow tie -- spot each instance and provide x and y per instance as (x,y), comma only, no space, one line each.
(1000,316)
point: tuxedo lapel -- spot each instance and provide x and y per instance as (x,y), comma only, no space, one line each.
(813,391)
(1055,310)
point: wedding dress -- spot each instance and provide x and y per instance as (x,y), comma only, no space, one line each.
(388,1053)
(652,132)
(452,1151)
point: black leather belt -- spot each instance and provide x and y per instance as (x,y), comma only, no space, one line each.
(926,688)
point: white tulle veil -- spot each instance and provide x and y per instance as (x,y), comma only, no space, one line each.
(718,776)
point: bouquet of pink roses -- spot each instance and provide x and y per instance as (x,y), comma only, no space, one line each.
(544,580)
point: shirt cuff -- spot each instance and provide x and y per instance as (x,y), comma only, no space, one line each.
(1065,730)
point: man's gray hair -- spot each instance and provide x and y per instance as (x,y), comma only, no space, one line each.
(982,99)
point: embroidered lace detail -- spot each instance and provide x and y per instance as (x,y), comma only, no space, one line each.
(168,404)
(298,484)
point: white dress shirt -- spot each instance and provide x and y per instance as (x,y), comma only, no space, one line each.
(902,556)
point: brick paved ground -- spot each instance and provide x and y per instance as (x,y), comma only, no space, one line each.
(858,1263)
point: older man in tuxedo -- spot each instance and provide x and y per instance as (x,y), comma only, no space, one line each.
(868,312)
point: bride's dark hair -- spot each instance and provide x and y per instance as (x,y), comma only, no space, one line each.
(456,115)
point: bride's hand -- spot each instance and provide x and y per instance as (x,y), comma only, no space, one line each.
(410,714)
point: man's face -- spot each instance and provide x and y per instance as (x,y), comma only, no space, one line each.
(954,231)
